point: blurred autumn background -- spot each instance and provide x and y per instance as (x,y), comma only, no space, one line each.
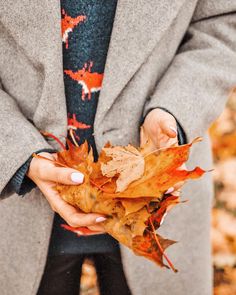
(223,134)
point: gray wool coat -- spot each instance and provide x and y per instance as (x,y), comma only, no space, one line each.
(179,55)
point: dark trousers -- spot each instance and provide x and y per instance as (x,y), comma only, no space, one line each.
(62,274)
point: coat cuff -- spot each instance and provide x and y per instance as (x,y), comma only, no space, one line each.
(182,139)
(20,183)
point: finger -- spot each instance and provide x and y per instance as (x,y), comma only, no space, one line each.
(98,228)
(169,130)
(169,191)
(85,231)
(94,233)
(174,189)
(168,142)
(61,175)
(178,186)
(95,230)
(176,193)
(69,213)
(143,137)
(168,127)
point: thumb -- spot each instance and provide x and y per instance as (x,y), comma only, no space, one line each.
(169,128)
(63,175)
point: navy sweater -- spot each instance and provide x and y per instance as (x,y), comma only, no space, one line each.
(86,30)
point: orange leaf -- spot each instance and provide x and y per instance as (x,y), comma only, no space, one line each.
(128,184)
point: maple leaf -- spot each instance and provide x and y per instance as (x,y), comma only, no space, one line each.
(146,246)
(127,161)
(161,172)
(127,184)
(133,205)
(223,137)
(166,204)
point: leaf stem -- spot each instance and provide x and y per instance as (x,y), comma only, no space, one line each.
(47,134)
(160,247)
(73,138)
(197,139)
(100,186)
(53,161)
(157,150)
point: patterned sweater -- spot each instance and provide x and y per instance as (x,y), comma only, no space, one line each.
(86,29)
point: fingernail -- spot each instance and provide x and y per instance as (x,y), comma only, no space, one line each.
(173,129)
(170,190)
(77,177)
(79,233)
(163,217)
(100,219)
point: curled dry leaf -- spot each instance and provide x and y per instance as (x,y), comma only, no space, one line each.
(128,185)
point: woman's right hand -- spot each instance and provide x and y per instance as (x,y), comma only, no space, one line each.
(45,175)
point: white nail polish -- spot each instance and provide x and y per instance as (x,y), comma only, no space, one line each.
(170,190)
(79,233)
(173,129)
(100,219)
(163,217)
(77,177)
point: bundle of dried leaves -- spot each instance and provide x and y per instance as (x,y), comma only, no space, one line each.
(128,185)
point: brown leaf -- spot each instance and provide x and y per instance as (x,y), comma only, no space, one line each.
(127,162)
(133,205)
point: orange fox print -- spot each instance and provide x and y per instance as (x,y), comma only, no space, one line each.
(68,23)
(74,124)
(90,82)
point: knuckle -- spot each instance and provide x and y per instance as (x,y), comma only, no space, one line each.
(65,177)
(169,116)
(41,170)
(73,221)
(60,175)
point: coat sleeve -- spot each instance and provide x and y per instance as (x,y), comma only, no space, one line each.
(197,84)
(20,183)
(19,139)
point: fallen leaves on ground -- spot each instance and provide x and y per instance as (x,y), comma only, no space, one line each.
(88,282)
(223,132)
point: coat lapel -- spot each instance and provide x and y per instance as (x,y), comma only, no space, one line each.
(138,26)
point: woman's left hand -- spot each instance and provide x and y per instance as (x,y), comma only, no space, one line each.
(161,128)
